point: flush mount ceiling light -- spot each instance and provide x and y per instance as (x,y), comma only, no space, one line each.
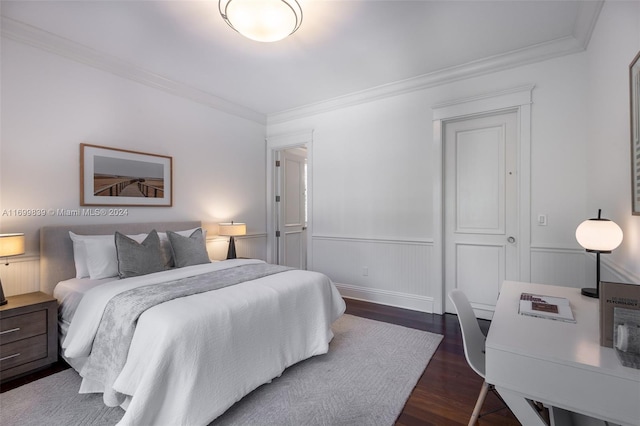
(262,20)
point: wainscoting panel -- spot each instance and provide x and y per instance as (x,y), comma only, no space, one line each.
(248,246)
(610,271)
(392,272)
(560,266)
(21,275)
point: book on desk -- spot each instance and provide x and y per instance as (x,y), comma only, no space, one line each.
(614,295)
(550,307)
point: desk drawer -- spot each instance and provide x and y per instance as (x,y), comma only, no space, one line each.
(23,351)
(23,326)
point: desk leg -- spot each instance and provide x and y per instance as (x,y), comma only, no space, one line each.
(521,408)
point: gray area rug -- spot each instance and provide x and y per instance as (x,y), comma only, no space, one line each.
(365,379)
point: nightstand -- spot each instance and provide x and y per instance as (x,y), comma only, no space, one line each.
(28,334)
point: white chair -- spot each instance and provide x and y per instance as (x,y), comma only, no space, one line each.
(474,341)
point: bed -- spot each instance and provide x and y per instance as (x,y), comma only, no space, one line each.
(179,346)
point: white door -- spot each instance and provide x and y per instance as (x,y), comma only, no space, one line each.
(480,225)
(292,217)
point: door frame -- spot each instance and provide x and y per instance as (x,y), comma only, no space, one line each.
(282,175)
(517,99)
(274,144)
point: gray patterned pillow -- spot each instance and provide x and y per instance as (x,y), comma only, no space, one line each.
(190,250)
(139,258)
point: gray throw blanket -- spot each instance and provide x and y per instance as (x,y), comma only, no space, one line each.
(115,333)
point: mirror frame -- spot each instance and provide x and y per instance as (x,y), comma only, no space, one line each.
(634,100)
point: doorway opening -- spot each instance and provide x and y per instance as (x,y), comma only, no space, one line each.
(289,199)
(291,207)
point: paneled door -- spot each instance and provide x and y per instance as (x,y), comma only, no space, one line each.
(480,223)
(292,221)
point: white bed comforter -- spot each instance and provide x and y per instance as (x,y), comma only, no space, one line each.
(193,357)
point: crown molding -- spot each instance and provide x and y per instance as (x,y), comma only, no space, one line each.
(41,39)
(577,42)
(504,99)
(583,28)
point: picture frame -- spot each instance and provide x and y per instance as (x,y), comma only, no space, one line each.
(120,177)
(634,98)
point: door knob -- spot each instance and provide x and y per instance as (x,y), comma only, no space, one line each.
(511,240)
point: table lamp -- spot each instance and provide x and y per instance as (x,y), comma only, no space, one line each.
(10,245)
(598,235)
(231,230)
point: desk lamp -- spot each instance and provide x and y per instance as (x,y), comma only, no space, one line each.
(598,235)
(10,245)
(231,230)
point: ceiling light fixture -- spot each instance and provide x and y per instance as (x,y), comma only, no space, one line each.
(262,20)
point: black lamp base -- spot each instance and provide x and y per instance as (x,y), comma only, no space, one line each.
(3,301)
(231,253)
(590,292)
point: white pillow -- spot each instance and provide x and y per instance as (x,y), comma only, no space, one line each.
(95,255)
(80,253)
(102,257)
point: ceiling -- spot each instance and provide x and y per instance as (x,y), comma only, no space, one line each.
(342,48)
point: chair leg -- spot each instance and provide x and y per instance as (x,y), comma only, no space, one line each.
(479,402)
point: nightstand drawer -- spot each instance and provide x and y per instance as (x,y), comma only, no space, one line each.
(23,351)
(23,326)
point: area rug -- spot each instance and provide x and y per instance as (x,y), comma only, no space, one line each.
(365,379)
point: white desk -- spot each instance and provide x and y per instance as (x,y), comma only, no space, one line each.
(557,363)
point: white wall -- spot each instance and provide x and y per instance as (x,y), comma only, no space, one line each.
(51,104)
(372,182)
(373,185)
(614,44)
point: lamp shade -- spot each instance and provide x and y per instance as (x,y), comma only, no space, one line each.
(232,229)
(600,235)
(262,20)
(11,244)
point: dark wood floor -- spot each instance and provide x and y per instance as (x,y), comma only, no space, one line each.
(447,391)
(444,395)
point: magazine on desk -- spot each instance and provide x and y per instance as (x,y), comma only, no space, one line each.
(536,305)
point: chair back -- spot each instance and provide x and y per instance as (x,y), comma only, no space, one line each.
(472,336)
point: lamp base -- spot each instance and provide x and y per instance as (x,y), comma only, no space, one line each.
(590,292)
(231,253)
(3,300)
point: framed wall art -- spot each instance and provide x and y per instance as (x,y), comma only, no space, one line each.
(634,96)
(119,177)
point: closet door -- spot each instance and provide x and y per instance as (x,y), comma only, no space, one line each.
(480,225)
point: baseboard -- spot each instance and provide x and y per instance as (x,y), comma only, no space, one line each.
(386,297)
